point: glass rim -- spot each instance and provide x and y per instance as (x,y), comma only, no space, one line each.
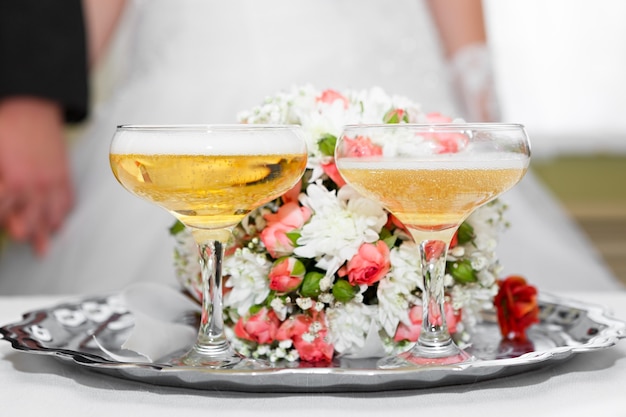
(207,126)
(450,126)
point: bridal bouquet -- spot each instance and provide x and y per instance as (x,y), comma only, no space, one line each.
(323,271)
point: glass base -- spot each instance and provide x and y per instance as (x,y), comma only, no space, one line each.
(224,359)
(423,356)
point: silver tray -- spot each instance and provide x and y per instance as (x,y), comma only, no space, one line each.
(65,331)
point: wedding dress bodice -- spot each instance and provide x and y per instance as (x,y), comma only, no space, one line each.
(205,60)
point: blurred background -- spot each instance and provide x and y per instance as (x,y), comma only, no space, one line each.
(560,68)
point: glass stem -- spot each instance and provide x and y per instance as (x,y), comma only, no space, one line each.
(434,334)
(211,339)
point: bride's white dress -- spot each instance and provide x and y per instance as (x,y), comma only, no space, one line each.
(204,61)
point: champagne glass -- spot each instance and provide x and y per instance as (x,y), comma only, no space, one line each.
(431,177)
(209,177)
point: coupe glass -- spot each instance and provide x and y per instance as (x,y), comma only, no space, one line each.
(431,177)
(209,177)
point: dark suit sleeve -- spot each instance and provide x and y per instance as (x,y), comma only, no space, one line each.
(43,52)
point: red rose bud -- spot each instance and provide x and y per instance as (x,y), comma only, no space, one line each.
(311,284)
(517,308)
(396,116)
(286,275)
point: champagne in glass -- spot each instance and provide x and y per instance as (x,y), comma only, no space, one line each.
(432,177)
(209,177)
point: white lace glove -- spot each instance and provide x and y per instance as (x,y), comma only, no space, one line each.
(472,77)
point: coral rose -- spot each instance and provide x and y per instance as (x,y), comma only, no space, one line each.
(446,142)
(361,146)
(293,194)
(290,216)
(330,96)
(260,327)
(330,169)
(369,265)
(309,335)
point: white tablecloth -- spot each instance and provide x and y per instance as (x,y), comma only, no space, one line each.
(589,384)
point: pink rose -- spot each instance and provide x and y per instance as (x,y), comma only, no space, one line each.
(286,275)
(437,118)
(434,249)
(293,194)
(289,217)
(446,142)
(260,327)
(369,265)
(412,331)
(331,170)
(330,96)
(361,146)
(309,335)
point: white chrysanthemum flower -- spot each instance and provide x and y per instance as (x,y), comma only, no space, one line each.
(393,304)
(485,243)
(186,262)
(349,324)
(405,266)
(248,281)
(338,227)
(395,290)
(473,299)
(488,220)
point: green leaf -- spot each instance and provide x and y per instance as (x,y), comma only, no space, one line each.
(293,236)
(465,233)
(298,268)
(311,284)
(343,291)
(176,228)
(255,309)
(462,271)
(390,241)
(387,237)
(327,144)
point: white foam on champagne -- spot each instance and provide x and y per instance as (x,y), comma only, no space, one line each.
(207,142)
(495,160)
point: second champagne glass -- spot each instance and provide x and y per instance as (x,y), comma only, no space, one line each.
(209,177)
(431,177)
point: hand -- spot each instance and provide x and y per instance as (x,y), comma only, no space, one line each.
(472,75)
(35,189)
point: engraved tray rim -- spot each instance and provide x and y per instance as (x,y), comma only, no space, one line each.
(344,375)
